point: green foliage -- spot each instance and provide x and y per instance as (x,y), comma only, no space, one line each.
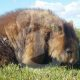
(78,33)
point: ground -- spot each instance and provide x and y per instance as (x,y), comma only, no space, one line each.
(49,72)
(13,72)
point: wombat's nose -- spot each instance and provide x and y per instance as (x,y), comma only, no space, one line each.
(68,51)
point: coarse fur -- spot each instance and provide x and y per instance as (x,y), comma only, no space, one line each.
(7,54)
(39,36)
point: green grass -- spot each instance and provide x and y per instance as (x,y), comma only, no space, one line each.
(13,72)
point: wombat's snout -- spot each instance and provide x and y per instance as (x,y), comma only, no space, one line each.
(68,51)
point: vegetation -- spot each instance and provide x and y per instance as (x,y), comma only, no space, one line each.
(49,72)
(78,33)
(13,72)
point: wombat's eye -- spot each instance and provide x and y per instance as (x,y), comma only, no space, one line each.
(57,28)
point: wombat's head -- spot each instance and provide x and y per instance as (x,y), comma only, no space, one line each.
(63,44)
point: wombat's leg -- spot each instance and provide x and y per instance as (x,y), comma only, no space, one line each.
(30,58)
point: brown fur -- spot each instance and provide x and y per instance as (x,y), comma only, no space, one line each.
(37,35)
(7,54)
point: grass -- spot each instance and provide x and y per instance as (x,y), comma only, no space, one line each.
(13,72)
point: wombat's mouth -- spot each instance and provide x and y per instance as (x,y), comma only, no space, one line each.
(65,58)
(68,58)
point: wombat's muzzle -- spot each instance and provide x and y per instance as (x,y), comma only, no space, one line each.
(69,51)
